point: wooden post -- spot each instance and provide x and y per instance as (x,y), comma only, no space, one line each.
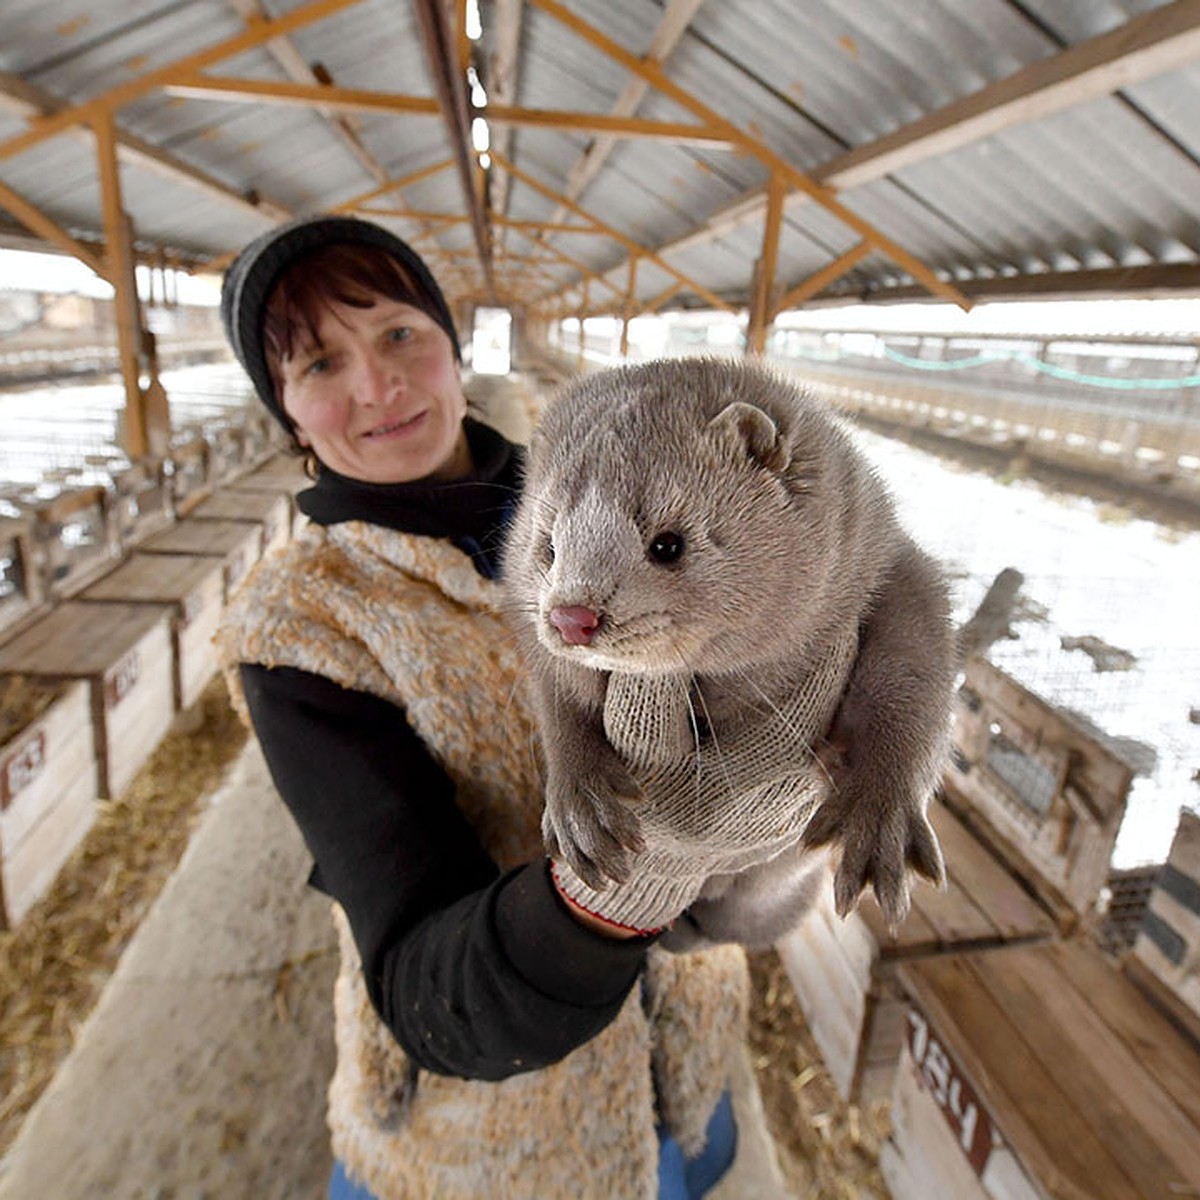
(583,307)
(763,289)
(119,260)
(146,424)
(629,306)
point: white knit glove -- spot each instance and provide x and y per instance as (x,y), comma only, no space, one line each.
(733,802)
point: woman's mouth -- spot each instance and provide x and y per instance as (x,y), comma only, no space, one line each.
(395,428)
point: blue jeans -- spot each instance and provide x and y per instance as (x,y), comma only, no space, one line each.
(679,1178)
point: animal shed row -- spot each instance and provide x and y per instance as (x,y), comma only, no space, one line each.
(129,648)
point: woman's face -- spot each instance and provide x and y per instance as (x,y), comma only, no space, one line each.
(377,396)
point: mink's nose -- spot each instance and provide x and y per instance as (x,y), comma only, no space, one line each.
(577,625)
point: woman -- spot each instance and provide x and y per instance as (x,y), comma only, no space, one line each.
(493,1039)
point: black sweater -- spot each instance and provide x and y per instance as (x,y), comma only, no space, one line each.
(476,974)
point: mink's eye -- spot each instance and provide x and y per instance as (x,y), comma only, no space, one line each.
(548,550)
(665,548)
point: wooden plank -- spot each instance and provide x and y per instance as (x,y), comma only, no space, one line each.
(29,871)
(272,510)
(970,865)
(1055,1144)
(189,582)
(1157,1147)
(136,719)
(1155,1040)
(832,1008)
(236,543)
(934,1165)
(915,936)
(194,587)
(281,472)
(44,761)
(78,640)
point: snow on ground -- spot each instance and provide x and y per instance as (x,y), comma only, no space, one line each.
(1132,583)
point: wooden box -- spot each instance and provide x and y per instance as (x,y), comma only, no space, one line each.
(1040,1073)
(843,971)
(140,502)
(194,588)
(226,452)
(1166,954)
(189,474)
(271,511)
(21,576)
(123,651)
(74,539)
(1047,793)
(282,472)
(238,545)
(256,437)
(48,787)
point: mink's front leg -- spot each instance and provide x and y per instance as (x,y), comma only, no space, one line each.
(588,821)
(888,742)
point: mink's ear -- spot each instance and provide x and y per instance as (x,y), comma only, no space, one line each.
(751,432)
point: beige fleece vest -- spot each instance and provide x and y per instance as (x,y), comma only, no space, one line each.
(410,620)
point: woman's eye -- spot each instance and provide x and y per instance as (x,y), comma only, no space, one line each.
(400,334)
(318,366)
(665,548)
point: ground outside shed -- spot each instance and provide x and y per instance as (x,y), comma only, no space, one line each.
(166,1032)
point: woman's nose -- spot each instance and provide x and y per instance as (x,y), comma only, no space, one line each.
(376,381)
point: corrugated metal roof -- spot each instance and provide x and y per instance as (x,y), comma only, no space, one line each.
(1100,190)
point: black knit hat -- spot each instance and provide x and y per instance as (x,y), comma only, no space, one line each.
(254,273)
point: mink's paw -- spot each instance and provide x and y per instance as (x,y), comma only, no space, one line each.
(596,832)
(880,845)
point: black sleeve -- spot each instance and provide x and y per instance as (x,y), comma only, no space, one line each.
(476,974)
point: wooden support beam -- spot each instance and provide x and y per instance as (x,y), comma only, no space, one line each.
(31,101)
(1143,47)
(768,157)
(654,304)
(816,283)
(763,292)
(450,84)
(119,260)
(627,312)
(395,185)
(289,58)
(1150,44)
(671,27)
(124,93)
(616,234)
(502,81)
(233,90)
(34,219)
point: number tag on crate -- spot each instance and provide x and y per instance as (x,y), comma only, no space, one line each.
(22,767)
(954,1095)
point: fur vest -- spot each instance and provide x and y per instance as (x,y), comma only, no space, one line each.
(410,620)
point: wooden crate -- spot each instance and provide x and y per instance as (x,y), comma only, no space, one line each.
(843,971)
(140,502)
(257,437)
(238,545)
(74,537)
(226,452)
(271,511)
(123,651)
(1047,793)
(1166,953)
(194,588)
(189,472)
(22,594)
(282,472)
(48,787)
(1040,1073)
